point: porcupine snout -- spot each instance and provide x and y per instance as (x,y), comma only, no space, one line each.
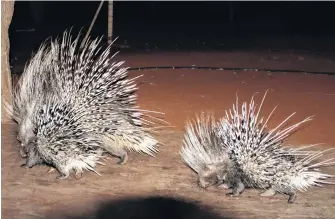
(23,151)
(25,136)
(207,178)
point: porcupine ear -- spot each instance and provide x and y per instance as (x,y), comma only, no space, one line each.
(33,139)
(222,176)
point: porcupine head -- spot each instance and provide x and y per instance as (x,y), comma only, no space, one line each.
(26,135)
(215,174)
(202,151)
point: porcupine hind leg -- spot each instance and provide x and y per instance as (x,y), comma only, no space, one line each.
(120,153)
(123,159)
(238,188)
(78,173)
(63,176)
(268,193)
(63,172)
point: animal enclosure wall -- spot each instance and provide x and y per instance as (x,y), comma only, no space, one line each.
(7,9)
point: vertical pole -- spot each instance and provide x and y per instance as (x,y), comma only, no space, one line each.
(93,21)
(7,10)
(231,11)
(110,21)
(37,12)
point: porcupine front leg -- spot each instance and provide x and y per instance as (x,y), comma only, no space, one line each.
(238,188)
(32,158)
(292,198)
(22,152)
(30,162)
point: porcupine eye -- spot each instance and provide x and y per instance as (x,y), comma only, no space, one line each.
(35,131)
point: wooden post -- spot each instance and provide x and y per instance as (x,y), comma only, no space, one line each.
(110,21)
(231,11)
(92,23)
(7,10)
(37,12)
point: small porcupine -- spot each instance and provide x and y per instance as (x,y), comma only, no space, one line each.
(87,108)
(202,151)
(261,158)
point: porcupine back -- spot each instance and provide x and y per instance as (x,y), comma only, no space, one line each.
(99,94)
(260,153)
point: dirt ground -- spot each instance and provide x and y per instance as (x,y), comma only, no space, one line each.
(163,187)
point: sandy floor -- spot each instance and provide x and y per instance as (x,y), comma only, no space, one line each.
(180,94)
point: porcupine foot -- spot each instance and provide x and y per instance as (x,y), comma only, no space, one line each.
(27,165)
(268,193)
(32,158)
(78,174)
(238,188)
(123,159)
(63,173)
(51,170)
(292,198)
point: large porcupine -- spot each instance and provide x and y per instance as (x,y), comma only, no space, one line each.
(260,157)
(83,105)
(204,153)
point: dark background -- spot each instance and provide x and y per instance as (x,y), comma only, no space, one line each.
(171,26)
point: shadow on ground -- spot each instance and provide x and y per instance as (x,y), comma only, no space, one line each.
(148,208)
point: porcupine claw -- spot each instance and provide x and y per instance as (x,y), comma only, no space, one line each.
(62,176)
